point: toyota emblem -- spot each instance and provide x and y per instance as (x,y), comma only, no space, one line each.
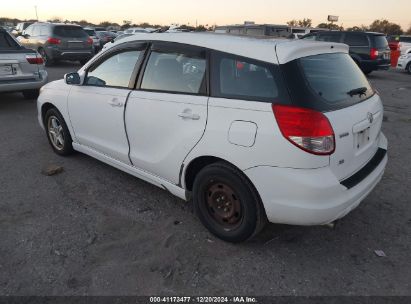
(370,117)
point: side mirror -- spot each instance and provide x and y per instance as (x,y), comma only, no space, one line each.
(72,78)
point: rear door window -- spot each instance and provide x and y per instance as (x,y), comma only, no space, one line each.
(70,31)
(237,77)
(179,72)
(353,39)
(44,30)
(36,30)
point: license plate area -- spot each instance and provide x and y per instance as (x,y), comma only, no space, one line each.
(386,56)
(6,70)
(75,44)
(362,140)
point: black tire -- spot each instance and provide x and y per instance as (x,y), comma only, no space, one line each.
(46,58)
(237,224)
(62,147)
(31,94)
(409,68)
(367,72)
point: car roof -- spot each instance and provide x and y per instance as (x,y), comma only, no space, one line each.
(256,48)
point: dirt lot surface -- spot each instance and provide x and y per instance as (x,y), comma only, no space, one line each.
(93,230)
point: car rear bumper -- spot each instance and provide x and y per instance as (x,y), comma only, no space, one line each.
(311,196)
(374,65)
(24,84)
(70,54)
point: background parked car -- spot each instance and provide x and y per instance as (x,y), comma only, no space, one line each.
(21,70)
(105,36)
(135,30)
(404,62)
(20,27)
(404,43)
(93,35)
(369,50)
(107,45)
(55,41)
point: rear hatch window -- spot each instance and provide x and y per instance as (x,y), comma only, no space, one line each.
(90,32)
(7,43)
(380,42)
(326,82)
(70,31)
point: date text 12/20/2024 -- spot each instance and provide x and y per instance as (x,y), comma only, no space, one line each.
(203,300)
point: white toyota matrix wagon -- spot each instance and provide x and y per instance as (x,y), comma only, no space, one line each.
(251,130)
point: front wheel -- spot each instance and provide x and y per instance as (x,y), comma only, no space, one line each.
(409,68)
(58,133)
(227,203)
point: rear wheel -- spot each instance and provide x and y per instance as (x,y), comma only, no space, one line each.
(31,94)
(47,60)
(367,72)
(58,133)
(227,203)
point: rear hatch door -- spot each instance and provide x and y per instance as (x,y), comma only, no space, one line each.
(380,43)
(13,61)
(72,37)
(333,84)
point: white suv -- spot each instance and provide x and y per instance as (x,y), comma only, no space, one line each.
(251,130)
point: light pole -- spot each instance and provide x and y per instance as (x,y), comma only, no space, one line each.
(37,16)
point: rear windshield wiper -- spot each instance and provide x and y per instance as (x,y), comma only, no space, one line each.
(358,91)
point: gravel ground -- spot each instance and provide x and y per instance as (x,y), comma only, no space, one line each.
(93,230)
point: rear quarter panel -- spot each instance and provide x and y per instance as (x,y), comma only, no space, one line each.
(270,148)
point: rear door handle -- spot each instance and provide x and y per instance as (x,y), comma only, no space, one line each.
(189,115)
(115,103)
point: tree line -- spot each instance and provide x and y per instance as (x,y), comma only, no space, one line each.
(107,24)
(381,26)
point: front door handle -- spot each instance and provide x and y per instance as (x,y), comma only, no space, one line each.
(115,103)
(189,115)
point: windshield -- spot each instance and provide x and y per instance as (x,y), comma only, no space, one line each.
(70,31)
(405,39)
(326,82)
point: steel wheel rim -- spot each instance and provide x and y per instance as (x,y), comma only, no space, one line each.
(223,205)
(55,132)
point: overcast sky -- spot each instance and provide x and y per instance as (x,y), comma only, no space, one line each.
(351,12)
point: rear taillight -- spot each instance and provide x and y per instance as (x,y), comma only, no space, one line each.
(52,40)
(34,59)
(89,41)
(374,54)
(307,129)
